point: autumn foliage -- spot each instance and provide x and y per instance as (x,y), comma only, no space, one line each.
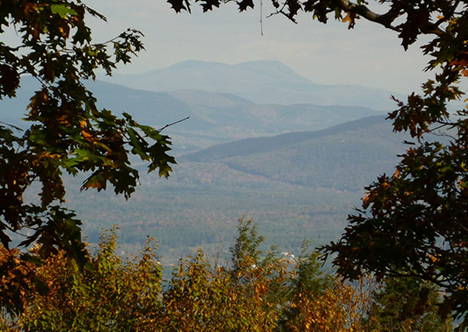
(64,131)
(255,291)
(412,223)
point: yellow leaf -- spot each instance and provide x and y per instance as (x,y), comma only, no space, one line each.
(433,258)
(350,17)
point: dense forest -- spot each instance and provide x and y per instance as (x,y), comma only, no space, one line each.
(254,290)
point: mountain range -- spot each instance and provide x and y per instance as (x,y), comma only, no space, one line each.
(296,167)
(218,117)
(263,82)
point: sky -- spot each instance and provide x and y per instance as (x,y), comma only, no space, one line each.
(368,55)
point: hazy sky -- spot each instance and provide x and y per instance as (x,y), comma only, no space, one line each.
(369,55)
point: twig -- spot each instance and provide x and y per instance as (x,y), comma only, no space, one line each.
(12,126)
(261,17)
(173,123)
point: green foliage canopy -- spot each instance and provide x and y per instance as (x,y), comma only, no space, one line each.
(67,132)
(412,223)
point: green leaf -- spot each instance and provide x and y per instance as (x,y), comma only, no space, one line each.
(63,10)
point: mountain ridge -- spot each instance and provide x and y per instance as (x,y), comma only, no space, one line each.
(214,117)
(263,82)
(343,157)
(268,144)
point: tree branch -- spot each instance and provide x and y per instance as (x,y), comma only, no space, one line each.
(384,19)
(173,123)
(362,10)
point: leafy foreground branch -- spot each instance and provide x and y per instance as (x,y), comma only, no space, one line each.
(256,291)
(64,132)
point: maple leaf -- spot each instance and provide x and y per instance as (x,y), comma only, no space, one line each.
(209,4)
(244,4)
(179,5)
(293,8)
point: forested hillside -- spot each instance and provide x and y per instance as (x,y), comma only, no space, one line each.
(301,182)
(301,185)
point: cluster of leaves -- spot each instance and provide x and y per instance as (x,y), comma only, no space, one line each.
(413,223)
(406,304)
(67,132)
(255,292)
(112,293)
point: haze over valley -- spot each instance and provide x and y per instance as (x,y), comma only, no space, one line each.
(261,141)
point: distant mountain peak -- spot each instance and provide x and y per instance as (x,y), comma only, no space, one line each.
(263,82)
(276,70)
(272,68)
(195,64)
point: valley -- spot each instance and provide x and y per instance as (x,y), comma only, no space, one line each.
(296,169)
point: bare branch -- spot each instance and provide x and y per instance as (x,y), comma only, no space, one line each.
(173,123)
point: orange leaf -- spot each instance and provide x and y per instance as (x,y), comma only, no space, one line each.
(350,17)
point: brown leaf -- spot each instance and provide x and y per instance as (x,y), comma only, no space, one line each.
(9,80)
